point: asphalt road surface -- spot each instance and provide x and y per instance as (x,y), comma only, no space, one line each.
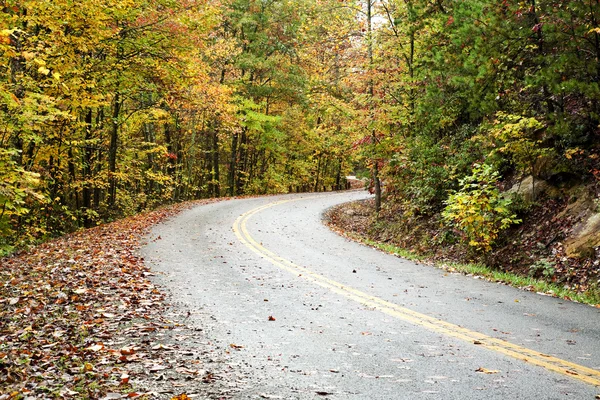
(304,313)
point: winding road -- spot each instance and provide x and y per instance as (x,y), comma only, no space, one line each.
(304,313)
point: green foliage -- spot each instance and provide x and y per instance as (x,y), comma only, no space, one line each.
(423,171)
(515,138)
(542,267)
(478,209)
(18,193)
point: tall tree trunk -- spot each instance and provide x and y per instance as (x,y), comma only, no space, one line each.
(216,185)
(112,151)
(86,170)
(542,52)
(17,66)
(375,169)
(232,165)
(377,184)
(242,161)
(316,186)
(338,176)
(73,175)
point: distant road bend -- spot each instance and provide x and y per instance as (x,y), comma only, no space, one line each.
(315,314)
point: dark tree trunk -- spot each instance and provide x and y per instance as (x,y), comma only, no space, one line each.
(112,151)
(242,162)
(232,165)
(86,170)
(215,183)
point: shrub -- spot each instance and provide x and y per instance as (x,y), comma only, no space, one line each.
(478,210)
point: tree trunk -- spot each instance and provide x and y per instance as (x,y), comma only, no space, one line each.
(338,176)
(86,170)
(377,184)
(375,170)
(232,165)
(112,151)
(215,184)
(242,161)
(316,186)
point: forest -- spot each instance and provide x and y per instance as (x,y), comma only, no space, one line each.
(112,107)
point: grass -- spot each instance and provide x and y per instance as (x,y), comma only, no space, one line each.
(591,296)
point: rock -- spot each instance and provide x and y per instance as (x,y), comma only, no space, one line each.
(526,187)
(581,208)
(585,235)
(584,238)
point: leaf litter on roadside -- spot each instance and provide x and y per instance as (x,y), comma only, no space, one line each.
(64,306)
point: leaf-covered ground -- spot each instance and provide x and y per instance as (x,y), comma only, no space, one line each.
(533,248)
(80,318)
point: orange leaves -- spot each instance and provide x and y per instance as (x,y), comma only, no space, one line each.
(182,396)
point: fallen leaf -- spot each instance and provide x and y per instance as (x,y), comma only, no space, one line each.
(208,378)
(571,372)
(189,371)
(161,346)
(269,396)
(156,368)
(127,351)
(68,392)
(271,318)
(112,396)
(96,347)
(87,367)
(182,396)
(124,379)
(486,371)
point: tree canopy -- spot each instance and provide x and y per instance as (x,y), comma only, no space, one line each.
(117,106)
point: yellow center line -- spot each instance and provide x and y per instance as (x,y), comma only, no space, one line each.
(551,363)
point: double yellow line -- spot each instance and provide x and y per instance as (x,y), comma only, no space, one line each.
(576,371)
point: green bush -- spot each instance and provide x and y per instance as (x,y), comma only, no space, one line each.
(428,167)
(478,210)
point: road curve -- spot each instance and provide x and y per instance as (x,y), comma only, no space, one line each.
(304,313)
